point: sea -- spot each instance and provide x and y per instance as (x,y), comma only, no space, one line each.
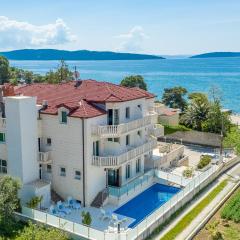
(193,74)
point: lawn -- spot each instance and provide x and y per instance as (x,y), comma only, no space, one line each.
(189,217)
(173,129)
(229,229)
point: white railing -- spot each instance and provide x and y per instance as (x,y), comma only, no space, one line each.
(69,226)
(2,122)
(133,186)
(108,161)
(131,233)
(172,177)
(43,157)
(157,130)
(181,197)
(116,130)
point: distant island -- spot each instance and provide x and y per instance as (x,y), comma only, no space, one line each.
(54,54)
(217,55)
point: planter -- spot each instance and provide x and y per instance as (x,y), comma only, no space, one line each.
(205,168)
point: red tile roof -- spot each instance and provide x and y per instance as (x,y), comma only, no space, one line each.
(80,101)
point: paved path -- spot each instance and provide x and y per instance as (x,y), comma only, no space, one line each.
(203,214)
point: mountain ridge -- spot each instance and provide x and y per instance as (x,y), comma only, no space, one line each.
(55,54)
(216,55)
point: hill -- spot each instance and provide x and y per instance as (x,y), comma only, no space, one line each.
(53,54)
(217,54)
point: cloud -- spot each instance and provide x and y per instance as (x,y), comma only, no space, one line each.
(133,40)
(15,34)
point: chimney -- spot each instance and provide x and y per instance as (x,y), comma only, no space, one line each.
(44,105)
(8,90)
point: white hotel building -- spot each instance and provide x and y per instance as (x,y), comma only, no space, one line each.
(79,139)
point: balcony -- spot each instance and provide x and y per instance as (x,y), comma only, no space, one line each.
(2,123)
(114,161)
(157,130)
(44,157)
(117,130)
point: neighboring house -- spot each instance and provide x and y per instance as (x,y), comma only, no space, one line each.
(167,116)
(77,138)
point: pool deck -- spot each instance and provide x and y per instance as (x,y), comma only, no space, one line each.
(97,221)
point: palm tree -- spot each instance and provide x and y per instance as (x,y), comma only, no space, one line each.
(195,114)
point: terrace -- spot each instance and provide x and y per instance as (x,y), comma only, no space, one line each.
(134,225)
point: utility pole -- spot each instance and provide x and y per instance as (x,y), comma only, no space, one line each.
(221,136)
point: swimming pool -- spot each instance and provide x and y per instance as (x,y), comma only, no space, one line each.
(146,202)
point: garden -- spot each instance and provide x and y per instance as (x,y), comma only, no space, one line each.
(225,224)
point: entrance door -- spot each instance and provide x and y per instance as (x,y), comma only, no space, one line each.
(113,177)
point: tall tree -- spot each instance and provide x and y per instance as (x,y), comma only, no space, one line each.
(4,70)
(217,121)
(174,97)
(9,200)
(63,73)
(134,81)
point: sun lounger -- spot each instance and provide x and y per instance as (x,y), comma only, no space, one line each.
(62,208)
(73,203)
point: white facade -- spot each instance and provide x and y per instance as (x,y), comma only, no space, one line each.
(83,156)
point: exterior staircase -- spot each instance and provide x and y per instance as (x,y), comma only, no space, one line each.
(100,198)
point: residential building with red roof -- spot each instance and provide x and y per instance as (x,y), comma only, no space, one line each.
(82,137)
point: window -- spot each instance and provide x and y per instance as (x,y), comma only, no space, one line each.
(2,137)
(127,112)
(138,165)
(3,166)
(139,107)
(63,117)
(49,168)
(77,175)
(139,133)
(49,141)
(127,140)
(113,140)
(96,148)
(62,171)
(128,170)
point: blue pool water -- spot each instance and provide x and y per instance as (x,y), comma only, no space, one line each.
(146,202)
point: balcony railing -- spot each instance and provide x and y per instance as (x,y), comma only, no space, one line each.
(157,130)
(109,161)
(132,186)
(116,130)
(2,122)
(44,157)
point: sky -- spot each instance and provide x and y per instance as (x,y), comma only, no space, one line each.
(161,27)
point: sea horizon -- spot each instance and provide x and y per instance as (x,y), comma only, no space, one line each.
(193,74)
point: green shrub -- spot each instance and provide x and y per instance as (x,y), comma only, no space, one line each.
(188,173)
(34,202)
(231,210)
(204,161)
(86,218)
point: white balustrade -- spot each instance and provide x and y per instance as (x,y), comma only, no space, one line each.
(44,157)
(120,159)
(116,130)
(2,122)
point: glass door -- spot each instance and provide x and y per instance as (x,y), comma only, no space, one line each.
(113,116)
(113,177)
